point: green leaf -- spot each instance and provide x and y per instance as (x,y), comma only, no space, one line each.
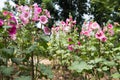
(17,60)
(105,68)
(80,66)
(24,78)
(9,51)
(6,27)
(116,75)
(45,70)
(109,63)
(31,48)
(96,60)
(7,71)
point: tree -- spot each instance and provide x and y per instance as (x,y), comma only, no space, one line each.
(104,10)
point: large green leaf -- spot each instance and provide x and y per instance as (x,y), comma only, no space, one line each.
(109,63)
(17,60)
(45,70)
(116,75)
(80,66)
(7,71)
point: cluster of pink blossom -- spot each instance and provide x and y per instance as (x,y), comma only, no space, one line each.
(9,20)
(71,46)
(33,13)
(25,15)
(94,29)
(64,26)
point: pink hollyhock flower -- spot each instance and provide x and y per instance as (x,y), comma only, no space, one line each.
(67,28)
(12,32)
(5,13)
(13,36)
(19,8)
(110,26)
(105,29)
(12,22)
(111,32)
(11,14)
(1,22)
(63,23)
(37,10)
(99,34)
(94,25)
(47,13)
(25,17)
(46,30)
(86,33)
(69,39)
(70,47)
(79,43)
(35,5)
(103,39)
(43,19)
(57,29)
(35,17)
(25,8)
(53,29)
(74,22)
(25,14)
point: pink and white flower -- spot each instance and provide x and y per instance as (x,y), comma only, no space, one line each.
(46,30)
(67,29)
(71,47)
(94,25)
(101,36)
(110,26)
(47,13)
(43,19)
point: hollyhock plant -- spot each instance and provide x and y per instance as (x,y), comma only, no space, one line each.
(1,22)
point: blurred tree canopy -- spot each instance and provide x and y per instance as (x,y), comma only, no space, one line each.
(102,10)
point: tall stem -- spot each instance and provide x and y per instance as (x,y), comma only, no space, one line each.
(32,64)
(32,60)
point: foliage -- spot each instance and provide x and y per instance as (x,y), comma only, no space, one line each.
(108,11)
(91,51)
(23,37)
